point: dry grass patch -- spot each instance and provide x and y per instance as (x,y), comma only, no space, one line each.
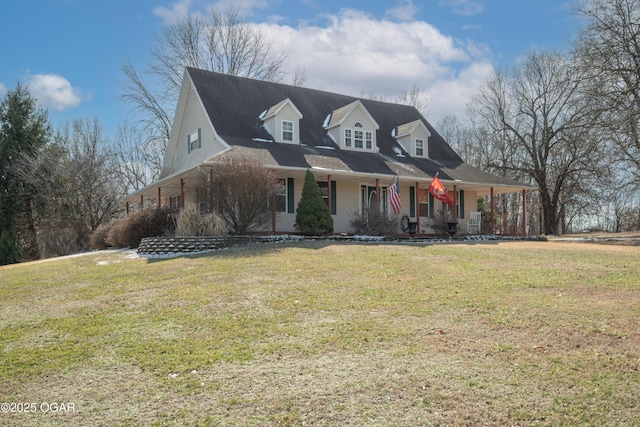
(319,333)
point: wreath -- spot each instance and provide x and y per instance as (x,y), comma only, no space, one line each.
(404,223)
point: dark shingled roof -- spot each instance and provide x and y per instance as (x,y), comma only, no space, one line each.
(234,105)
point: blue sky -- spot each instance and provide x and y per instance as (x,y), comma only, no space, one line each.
(69,52)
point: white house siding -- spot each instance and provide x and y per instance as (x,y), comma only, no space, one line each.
(194,118)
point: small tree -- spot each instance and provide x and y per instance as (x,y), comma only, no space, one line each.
(312,215)
(241,191)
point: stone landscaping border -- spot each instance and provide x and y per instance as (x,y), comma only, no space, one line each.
(158,246)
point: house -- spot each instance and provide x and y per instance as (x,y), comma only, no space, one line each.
(355,148)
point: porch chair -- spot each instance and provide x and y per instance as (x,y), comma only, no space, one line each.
(474,222)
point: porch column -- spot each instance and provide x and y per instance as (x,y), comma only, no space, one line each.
(329,194)
(524,212)
(493,228)
(159,204)
(417,203)
(181,193)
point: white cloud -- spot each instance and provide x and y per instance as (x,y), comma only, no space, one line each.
(174,13)
(53,91)
(464,7)
(405,11)
(358,55)
(180,9)
(3,89)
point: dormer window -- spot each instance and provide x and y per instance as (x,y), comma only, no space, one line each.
(413,138)
(347,138)
(282,121)
(287,131)
(368,140)
(352,127)
(358,140)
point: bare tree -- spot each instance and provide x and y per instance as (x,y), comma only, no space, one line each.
(74,182)
(538,124)
(609,51)
(220,41)
(415,97)
(463,140)
(241,191)
(139,160)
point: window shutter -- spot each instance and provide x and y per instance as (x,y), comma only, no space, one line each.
(431,206)
(199,139)
(189,143)
(334,198)
(290,202)
(461,202)
(412,201)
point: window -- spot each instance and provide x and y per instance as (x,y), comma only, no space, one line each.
(419,147)
(175,203)
(425,204)
(194,141)
(357,125)
(357,139)
(347,137)
(368,200)
(281,195)
(368,140)
(384,202)
(287,131)
(324,191)
(460,204)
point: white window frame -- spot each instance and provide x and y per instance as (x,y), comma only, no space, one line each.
(368,140)
(194,140)
(419,147)
(281,193)
(358,139)
(347,137)
(287,134)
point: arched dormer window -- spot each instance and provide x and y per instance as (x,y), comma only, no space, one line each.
(352,127)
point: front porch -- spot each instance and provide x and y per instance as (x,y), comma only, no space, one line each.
(346,195)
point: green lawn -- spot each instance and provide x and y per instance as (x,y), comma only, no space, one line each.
(329,334)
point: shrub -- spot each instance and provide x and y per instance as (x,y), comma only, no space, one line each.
(98,239)
(241,190)
(129,231)
(439,222)
(114,233)
(191,222)
(373,223)
(312,215)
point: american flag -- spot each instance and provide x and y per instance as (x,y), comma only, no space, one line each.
(394,197)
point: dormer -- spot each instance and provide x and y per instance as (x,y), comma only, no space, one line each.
(352,127)
(282,121)
(413,138)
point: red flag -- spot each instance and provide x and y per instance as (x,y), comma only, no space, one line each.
(439,192)
(394,197)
